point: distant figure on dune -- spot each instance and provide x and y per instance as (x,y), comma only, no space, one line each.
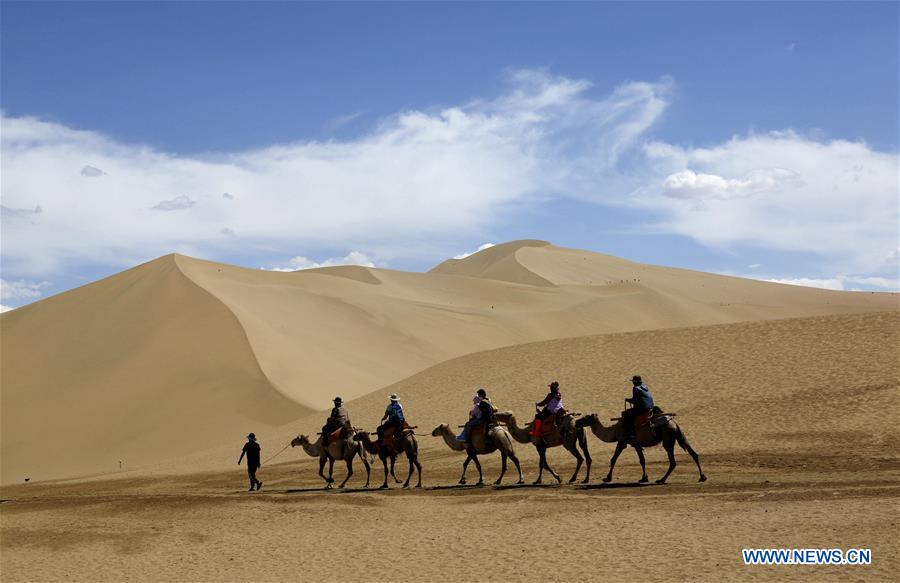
(641,406)
(251,450)
(339,419)
(552,406)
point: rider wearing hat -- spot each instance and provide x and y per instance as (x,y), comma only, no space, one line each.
(641,403)
(338,418)
(482,413)
(393,417)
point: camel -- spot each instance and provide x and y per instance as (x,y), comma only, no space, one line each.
(668,434)
(341,449)
(500,440)
(569,435)
(406,443)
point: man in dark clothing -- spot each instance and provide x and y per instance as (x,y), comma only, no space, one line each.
(641,403)
(251,450)
(338,418)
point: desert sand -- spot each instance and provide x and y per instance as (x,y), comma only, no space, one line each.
(786,393)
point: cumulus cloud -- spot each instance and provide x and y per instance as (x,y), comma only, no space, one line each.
(300,262)
(480,248)
(416,177)
(178,203)
(92,172)
(425,178)
(21,289)
(5,308)
(837,199)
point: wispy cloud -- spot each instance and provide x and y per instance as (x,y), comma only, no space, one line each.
(21,289)
(178,203)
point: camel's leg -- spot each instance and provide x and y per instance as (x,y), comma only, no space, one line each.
(349,472)
(393,461)
(515,460)
(368,469)
(411,460)
(578,461)
(331,471)
(418,471)
(620,447)
(384,463)
(683,442)
(542,452)
(322,472)
(502,468)
(478,467)
(540,477)
(582,440)
(640,454)
(670,451)
(462,479)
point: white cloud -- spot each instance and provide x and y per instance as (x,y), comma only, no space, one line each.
(92,172)
(417,178)
(480,248)
(300,262)
(178,203)
(754,265)
(837,199)
(21,289)
(227,196)
(841,282)
(5,308)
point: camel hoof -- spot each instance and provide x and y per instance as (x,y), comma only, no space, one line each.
(572,480)
(702,478)
(461,483)
(644,480)
(660,481)
(558,481)
(607,479)
(479,484)
(585,481)
(418,485)
(383,487)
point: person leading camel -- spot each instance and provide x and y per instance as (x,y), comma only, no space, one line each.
(393,417)
(338,418)
(251,450)
(552,404)
(641,405)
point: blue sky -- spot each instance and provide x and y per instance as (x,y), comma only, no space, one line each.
(757,139)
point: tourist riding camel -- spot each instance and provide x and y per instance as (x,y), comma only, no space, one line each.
(393,418)
(339,419)
(343,448)
(552,409)
(480,416)
(403,442)
(641,407)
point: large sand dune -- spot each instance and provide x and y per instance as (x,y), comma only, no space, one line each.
(177,354)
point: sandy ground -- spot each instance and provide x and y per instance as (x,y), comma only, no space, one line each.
(792,419)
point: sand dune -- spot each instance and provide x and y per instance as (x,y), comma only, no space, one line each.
(178,354)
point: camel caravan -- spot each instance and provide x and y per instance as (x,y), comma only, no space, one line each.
(489,430)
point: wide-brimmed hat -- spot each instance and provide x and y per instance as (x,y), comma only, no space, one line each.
(338,400)
(394,397)
(252,437)
(636,379)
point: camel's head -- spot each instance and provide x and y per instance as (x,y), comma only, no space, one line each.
(588,420)
(299,440)
(360,435)
(439,430)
